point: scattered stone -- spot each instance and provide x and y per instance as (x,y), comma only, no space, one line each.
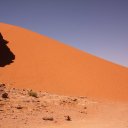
(85,107)
(2,85)
(48,118)
(19,107)
(68,118)
(5,95)
(83,112)
(74,100)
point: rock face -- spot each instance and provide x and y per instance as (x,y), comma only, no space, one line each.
(6,56)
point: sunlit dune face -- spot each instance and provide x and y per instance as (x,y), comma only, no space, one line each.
(42,63)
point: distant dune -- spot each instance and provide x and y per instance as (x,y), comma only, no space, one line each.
(42,63)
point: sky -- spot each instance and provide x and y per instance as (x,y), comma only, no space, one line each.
(99,27)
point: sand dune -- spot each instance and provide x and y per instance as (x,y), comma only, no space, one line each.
(30,60)
(42,63)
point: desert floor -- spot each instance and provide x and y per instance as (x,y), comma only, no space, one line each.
(25,108)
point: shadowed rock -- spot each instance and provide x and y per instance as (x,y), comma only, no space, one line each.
(5,95)
(6,56)
(48,118)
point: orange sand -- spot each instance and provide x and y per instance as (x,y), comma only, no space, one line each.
(45,64)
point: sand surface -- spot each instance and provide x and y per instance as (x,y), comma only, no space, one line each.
(21,110)
(52,85)
(42,63)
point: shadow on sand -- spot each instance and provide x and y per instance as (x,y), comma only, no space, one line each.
(6,56)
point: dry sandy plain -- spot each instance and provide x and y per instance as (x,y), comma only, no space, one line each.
(70,88)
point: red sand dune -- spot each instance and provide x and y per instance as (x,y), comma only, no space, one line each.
(45,64)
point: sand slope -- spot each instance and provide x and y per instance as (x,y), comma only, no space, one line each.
(45,64)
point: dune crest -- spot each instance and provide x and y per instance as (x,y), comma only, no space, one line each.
(45,64)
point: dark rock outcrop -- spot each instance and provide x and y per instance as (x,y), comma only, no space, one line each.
(6,55)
